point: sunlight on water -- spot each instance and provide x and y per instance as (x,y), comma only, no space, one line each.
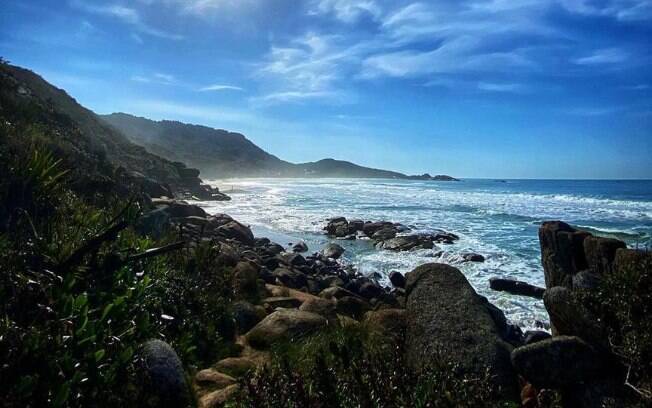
(497,220)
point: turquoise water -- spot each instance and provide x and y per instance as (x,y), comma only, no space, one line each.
(498,219)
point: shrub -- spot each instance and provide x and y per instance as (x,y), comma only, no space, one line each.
(349,367)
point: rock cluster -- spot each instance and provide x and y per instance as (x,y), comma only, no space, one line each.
(386,235)
(577,359)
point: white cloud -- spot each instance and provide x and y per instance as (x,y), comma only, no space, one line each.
(156,78)
(220,87)
(604,56)
(502,87)
(348,11)
(127,15)
(623,10)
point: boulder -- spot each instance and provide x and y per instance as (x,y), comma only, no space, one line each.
(332,251)
(164,380)
(245,315)
(211,378)
(391,322)
(533,336)
(569,317)
(370,228)
(218,398)
(335,292)
(245,280)
(300,247)
(236,366)
(352,306)
(290,278)
(235,230)
(355,226)
(402,243)
(472,257)
(600,253)
(384,234)
(369,290)
(516,287)
(180,209)
(322,307)
(285,302)
(562,252)
(337,226)
(558,362)
(284,325)
(397,279)
(447,320)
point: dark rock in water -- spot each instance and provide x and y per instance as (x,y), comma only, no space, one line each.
(300,247)
(164,378)
(356,225)
(237,231)
(472,257)
(569,317)
(533,336)
(284,324)
(397,279)
(407,243)
(447,320)
(558,362)
(516,287)
(384,234)
(332,251)
(338,227)
(370,228)
(245,315)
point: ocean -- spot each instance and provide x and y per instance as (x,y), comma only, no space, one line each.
(496,218)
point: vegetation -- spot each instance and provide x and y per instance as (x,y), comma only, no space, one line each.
(351,367)
(78,296)
(623,302)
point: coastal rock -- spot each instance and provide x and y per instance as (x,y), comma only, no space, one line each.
(284,302)
(600,253)
(370,228)
(355,226)
(333,251)
(533,336)
(218,398)
(300,247)
(322,307)
(384,234)
(407,243)
(236,366)
(516,287)
(211,378)
(335,292)
(397,279)
(245,315)
(562,252)
(558,362)
(163,376)
(245,280)
(446,319)
(352,306)
(290,278)
(569,317)
(178,208)
(369,290)
(472,257)
(284,324)
(235,230)
(392,322)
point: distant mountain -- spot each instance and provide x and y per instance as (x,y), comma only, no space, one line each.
(222,154)
(97,153)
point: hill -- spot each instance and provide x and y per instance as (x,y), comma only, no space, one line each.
(30,107)
(223,154)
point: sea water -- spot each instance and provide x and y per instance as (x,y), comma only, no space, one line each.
(496,218)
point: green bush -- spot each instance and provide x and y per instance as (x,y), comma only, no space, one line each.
(350,367)
(76,302)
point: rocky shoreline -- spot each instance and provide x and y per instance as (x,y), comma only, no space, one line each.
(282,294)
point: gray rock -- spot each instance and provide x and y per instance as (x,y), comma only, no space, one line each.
(558,362)
(300,247)
(163,376)
(472,257)
(447,320)
(516,287)
(284,324)
(569,317)
(384,234)
(370,228)
(332,251)
(235,230)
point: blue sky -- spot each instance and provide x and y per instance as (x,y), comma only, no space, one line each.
(478,88)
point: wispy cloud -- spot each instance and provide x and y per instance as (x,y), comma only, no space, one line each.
(594,111)
(603,56)
(127,15)
(502,87)
(220,87)
(156,78)
(348,11)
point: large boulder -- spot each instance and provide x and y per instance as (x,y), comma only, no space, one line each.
(569,317)
(516,287)
(391,322)
(370,228)
(333,251)
(447,320)
(600,253)
(562,252)
(397,279)
(558,362)
(235,230)
(284,325)
(164,380)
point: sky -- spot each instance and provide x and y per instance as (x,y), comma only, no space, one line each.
(470,88)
